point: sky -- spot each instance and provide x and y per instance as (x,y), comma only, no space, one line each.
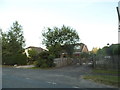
(96,21)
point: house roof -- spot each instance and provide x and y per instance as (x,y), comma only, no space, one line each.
(38,48)
(82,47)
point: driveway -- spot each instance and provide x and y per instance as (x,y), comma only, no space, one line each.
(66,77)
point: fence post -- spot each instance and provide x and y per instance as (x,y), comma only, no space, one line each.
(94,61)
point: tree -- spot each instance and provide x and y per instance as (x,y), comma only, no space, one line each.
(101,51)
(114,49)
(32,56)
(16,38)
(111,50)
(44,60)
(84,55)
(69,48)
(55,50)
(94,50)
(12,45)
(57,37)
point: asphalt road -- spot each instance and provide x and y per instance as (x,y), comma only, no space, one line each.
(66,77)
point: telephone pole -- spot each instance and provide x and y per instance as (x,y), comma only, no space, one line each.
(118,11)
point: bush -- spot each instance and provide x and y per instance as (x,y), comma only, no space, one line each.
(84,55)
(36,63)
(113,49)
(19,59)
(32,56)
(44,60)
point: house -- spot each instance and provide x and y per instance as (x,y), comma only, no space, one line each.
(63,60)
(78,48)
(37,49)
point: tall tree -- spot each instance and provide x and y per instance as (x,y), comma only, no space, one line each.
(12,45)
(94,50)
(16,38)
(57,37)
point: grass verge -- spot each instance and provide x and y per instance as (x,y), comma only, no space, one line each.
(109,80)
(106,71)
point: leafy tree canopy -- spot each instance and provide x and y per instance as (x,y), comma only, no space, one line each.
(57,37)
(113,49)
(64,35)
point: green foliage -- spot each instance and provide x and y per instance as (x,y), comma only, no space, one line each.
(101,51)
(84,55)
(55,50)
(64,35)
(44,60)
(113,49)
(12,45)
(33,54)
(94,50)
(57,37)
(69,48)
(19,59)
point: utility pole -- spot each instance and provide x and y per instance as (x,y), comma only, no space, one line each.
(118,11)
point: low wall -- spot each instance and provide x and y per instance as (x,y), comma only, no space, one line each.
(63,61)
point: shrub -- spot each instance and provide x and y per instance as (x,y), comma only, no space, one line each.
(44,60)
(21,59)
(32,56)
(84,55)
(18,58)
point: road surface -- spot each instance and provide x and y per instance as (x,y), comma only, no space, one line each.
(66,77)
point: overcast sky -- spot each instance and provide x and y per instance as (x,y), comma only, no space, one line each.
(95,21)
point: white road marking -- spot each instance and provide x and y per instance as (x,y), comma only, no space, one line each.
(52,83)
(75,87)
(49,82)
(27,78)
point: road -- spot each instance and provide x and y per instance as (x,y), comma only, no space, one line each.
(66,77)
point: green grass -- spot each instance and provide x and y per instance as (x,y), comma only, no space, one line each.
(106,71)
(109,80)
(112,79)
